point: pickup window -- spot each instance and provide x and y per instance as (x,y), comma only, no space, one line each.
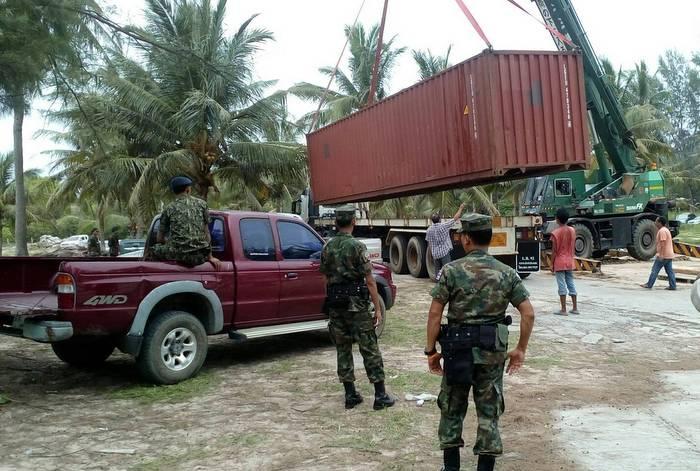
(256,235)
(218,235)
(298,242)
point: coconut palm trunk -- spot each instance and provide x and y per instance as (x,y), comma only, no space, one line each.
(18,109)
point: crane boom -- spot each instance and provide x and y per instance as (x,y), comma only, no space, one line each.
(604,107)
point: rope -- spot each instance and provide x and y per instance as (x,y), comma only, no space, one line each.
(551,29)
(335,70)
(474,23)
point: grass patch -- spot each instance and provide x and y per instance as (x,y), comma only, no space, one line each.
(399,333)
(414,382)
(689,233)
(148,394)
(172,461)
(4,400)
(543,362)
(386,432)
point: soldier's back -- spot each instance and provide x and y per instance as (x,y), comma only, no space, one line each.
(187,217)
(478,288)
(343,260)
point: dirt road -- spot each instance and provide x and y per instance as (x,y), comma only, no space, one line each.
(605,390)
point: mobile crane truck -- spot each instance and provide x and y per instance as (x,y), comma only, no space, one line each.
(617,209)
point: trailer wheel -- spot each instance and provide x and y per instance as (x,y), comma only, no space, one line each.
(397,254)
(174,348)
(643,240)
(84,352)
(415,257)
(430,265)
(584,241)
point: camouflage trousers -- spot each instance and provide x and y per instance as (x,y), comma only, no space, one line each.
(348,327)
(487,383)
(190,259)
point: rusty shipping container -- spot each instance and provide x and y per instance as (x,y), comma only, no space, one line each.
(498,116)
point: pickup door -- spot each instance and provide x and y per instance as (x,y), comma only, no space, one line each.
(302,286)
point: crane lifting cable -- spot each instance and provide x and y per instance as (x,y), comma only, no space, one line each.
(555,32)
(314,121)
(474,23)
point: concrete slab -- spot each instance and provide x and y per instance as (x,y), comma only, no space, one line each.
(666,435)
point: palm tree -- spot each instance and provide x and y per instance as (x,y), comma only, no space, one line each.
(196,111)
(353,89)
(429,64)
(41,42)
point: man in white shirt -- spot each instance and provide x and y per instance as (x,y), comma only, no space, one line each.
(439,240)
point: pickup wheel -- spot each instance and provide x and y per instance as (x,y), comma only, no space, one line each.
(84,352)
(379,329)
(174,348)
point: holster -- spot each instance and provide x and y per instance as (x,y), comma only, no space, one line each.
(338,295)
(458,340)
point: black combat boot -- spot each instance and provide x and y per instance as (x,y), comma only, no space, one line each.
(486,463)
(352,397)
(450,457)
(381,399)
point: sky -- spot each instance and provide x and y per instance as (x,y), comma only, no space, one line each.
(309,34)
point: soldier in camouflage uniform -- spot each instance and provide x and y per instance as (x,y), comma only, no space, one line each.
(94,249)
(349,276)
(477,288)
(183,234)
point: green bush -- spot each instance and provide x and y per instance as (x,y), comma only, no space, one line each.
(68,226)
(122,222)
(37,229)
(86,226)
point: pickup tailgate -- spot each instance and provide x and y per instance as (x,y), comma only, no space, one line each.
(28,304)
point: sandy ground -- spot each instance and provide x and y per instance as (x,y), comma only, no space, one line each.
(613,388)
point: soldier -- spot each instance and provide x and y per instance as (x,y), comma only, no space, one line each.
(478,289)
(183,234)
(350,287)
(94,249)
(114,242)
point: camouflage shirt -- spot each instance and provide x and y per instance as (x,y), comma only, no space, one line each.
(344,260)
(478,289)
(183,222)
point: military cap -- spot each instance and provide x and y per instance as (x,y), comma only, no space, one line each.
(475,222)
(180,182)
(344,214)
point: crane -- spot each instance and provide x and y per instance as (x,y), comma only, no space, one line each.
(618,208)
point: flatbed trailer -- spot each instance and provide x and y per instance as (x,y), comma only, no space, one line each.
(404,248)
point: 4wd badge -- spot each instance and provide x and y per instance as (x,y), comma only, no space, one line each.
(106,299)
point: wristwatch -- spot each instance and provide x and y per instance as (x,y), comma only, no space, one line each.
(431,352)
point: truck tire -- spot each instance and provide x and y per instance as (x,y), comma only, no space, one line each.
(430,265)
(583,246)
(643,240)
(174,348)
(379,329)
(415,256)
(397,254)
(84,352)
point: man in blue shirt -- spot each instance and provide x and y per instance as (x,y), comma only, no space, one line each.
(439,240)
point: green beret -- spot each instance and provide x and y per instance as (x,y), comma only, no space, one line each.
(344,214)
(475,222)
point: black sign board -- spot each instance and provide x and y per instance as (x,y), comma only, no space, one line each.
(528,258)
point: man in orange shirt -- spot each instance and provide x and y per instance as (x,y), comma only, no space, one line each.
(563,247)
(664,256)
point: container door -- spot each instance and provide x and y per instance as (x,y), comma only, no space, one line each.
(257,275)
(302,286)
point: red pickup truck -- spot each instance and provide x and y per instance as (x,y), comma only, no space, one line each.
(161,312)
